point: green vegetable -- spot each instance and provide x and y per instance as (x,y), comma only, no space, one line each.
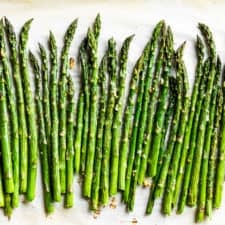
(11,102)
(149,98)
(23,155)
(127,124)
(112,95)
(78,132)
(118,113)
(193,187)
(62,87)
(69,143)
(45,94)
(186,142)
(5,140)
(53,93)
(42,136)
(213,154)
(85,76)
(30,113)
(154,90)
(99,137)
(200,215)
(134,128)
(92,44)
(220,167)
(174,163)
(194,130)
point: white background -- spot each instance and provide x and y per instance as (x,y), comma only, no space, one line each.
(119,19)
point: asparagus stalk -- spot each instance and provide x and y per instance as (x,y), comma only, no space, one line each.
(220,167)
(5,140)
(14,137)
(129,110)
(86,70)
(64,64)
(99,137)
(45,93)
(112,95)
(174,163)
(187,134)
(154,90)
(117,117)
(85,75)
(160,178)
(213,155)
(205,157)
(168,116)
(78,132)
(190,155)
(92,44)
(42,136)
(131,153)
(53,91)
(30,113)
(70,149)
(23,155)
(193,187)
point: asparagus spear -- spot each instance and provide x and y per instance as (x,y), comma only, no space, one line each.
(220,167)
(168,117)
(213,155)
(5,140)
(92,44)
(190,155)
(134,127)
(187,134)
(97,26)
(193,187)
(160,178)
(99,137)
(117,117)
(64,64)
(174,163)
(45,93)
(42,136)
(53,91)
(124,144)
(207,142)
(14,137)
(154,90)
(23,157)
(112,95)
(84,70)
(30,112)
(78,132)
(70,149)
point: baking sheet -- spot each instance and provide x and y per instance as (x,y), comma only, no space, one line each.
(119,19)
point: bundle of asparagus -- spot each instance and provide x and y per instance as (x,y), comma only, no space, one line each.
(113,141)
